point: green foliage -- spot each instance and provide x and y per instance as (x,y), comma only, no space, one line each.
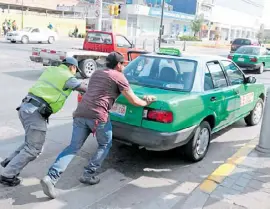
(189,38)
(196,25)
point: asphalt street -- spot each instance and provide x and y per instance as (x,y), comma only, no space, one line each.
(130,177)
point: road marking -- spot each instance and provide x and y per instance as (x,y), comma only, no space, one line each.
(224,170)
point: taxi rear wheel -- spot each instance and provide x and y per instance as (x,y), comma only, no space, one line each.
(255,115)
(261,69)
(198,146)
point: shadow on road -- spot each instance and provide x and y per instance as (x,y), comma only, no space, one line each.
(30,75)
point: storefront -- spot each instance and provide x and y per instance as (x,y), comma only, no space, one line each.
(145,21)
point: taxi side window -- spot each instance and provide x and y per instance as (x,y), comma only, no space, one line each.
(208,82)
(234,74)
(217,74)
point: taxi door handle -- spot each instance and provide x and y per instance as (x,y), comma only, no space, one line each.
(212,99)
(237,92)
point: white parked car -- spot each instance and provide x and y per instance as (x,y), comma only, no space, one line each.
(30,34)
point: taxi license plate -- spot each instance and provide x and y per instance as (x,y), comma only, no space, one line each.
(119,110)
(241,59)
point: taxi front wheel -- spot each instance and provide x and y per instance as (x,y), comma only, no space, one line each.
(255,115)
(198,146)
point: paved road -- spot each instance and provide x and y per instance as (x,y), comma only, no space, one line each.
(131,178)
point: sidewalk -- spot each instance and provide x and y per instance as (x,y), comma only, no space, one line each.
(241,182)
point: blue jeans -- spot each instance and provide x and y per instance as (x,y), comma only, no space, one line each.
(81,130)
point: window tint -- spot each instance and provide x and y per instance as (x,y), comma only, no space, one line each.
(234,74)
(163,73)
(122,42)
(242,41)
(99,38)
(36,30)
(219,79)
(208,82)
(248,50)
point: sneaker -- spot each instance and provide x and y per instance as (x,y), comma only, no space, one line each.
(89,179)
(48,187)
(11,182)
(5,163)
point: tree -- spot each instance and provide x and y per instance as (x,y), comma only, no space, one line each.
(196,25)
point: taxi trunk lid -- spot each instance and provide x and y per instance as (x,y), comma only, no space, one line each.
(244,58)
(126,113)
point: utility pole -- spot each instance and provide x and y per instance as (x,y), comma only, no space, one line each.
(22,15)
(161,23)
(98,13)
(264,142)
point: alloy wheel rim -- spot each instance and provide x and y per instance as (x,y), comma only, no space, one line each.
(257,114)
(203,141)
(89,69)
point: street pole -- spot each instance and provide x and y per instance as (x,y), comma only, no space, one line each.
(264,142)
(98,13)
(161,23)
(22,15)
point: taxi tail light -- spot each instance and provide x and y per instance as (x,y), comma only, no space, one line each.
(230,57)
(160,116)
(253,59)
(35,53)
(79,97)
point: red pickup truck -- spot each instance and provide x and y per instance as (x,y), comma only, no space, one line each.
(97,45)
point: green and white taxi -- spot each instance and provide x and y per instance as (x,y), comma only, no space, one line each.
(196,97)
(252,57)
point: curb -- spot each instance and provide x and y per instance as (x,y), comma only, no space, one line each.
(224,170)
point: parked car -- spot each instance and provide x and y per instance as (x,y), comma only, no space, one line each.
(252,58)
(196,97)
(243,42)
(29,34)
(168,39)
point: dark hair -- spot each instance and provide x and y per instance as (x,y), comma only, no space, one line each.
(111,65)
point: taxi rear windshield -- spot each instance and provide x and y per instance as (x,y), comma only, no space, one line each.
(248,50)
(163,73)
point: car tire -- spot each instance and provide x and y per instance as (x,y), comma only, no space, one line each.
(25,39)
(13,42)
(255,116)
(51,39)
(197,147)
(261,69)
(88,66)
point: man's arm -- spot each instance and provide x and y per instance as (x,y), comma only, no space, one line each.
(75,85)
(136,101)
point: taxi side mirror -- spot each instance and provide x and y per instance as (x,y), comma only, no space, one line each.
(251,79)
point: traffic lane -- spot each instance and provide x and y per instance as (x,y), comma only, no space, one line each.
(62,44)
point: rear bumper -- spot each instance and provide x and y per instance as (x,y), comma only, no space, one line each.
(45,62)
(150,139)
(248,65)
(35,59)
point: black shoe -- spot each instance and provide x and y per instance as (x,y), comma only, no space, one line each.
(11,182)
(5,163)
(89,179)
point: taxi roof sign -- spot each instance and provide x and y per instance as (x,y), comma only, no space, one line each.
(169,51)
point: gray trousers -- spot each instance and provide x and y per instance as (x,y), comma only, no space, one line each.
(35,127)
